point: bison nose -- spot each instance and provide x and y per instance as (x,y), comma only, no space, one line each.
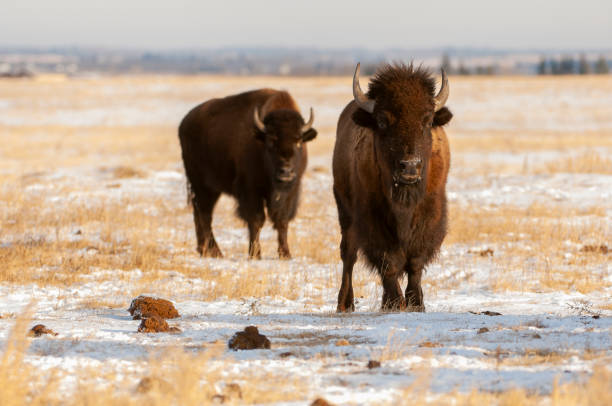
(410,169)
(285,173)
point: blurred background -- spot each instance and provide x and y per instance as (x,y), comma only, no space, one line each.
(316,37)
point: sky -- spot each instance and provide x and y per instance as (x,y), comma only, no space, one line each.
(374,24)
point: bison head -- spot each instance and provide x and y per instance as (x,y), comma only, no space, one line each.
(401,109)
(284,132)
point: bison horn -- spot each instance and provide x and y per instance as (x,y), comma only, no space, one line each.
(360,98)
(258,122)
(440,99)
(308,125)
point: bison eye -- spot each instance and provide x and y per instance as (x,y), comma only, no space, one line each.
(381,121)
(271,142)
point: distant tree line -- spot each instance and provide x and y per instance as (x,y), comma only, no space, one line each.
(281,61)
(564,65)
(461,69)
(568,65)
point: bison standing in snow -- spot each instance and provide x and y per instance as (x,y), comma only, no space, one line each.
(252,147)
(390,165)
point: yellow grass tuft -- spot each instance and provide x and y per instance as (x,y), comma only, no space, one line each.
(588,162)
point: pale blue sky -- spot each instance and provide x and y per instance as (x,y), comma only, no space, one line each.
(376,24)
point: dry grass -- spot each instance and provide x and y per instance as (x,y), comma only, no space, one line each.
(204,377)
(596,391)
(538,247)
(175,376)
(588,162)
(42,149)
(68,244)
(156,235)
(484,141)
(534,357)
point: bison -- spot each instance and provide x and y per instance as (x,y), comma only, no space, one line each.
(390,164)
(251,146)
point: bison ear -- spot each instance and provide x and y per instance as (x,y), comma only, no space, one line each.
(309,135)
(364,119)
(442,117)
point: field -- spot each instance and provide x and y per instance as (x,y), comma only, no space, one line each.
(93,213)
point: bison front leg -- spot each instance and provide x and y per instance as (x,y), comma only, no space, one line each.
(251,210)
(414,292)
(283,245)
(255,226)
(392,299)
(348,253)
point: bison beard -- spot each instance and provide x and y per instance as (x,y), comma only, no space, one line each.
(406,195)
(390,167)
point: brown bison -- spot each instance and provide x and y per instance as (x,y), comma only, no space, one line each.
(252,147)
(390,166)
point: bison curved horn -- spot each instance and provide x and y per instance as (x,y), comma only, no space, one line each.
(308,125)
(360,98)
(442,96)
(258,122)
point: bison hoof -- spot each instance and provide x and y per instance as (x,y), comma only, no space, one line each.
(345,309)
(256,256)
(284,255)
(211,252)
(394,305)
(414,301)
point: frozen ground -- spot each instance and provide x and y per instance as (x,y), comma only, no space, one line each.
(445,340)
(539,336)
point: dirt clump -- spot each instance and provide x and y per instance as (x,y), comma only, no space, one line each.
(321,402)
(483,252)
(155,324)
(373,364)
(429,344)
(596,249)
(487,313)
(342,343)
(249,339)
(151,382)
(144,306)
(39,330)
(483,330)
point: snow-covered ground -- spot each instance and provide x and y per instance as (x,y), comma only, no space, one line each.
(539,336)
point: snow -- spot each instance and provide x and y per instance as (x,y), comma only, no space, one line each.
(459,359)
(586,190)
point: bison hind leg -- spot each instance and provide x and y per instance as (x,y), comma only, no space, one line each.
(203,203)
(348,252)
(255,226)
